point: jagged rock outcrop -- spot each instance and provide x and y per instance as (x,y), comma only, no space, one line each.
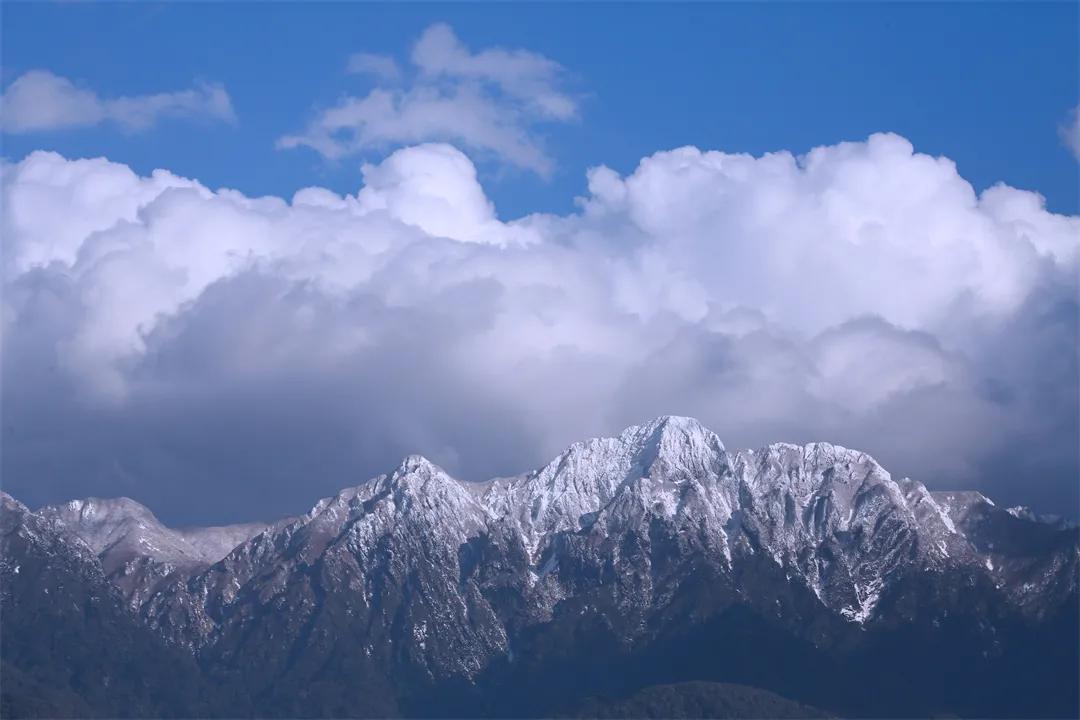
(625,562)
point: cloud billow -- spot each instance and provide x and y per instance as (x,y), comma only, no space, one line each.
(222,357)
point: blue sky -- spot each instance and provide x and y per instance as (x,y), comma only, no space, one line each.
(986,84)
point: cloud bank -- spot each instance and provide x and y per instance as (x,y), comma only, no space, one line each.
(488,102)
(223,357)
(39,100)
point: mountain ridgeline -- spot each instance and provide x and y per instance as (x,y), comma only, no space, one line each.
(650,574)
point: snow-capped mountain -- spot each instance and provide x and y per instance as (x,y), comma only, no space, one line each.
(624,562)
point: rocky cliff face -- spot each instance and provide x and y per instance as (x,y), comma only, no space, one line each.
(69,647)
(656,556)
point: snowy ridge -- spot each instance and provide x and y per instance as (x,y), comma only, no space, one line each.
(793,500)
(830,519)
(121,530)
(588,475)
(833,516)
(654,540)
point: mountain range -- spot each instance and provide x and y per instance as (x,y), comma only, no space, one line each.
(653,573)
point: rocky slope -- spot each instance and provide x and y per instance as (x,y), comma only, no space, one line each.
(68,645)
(653,557)
(137,552)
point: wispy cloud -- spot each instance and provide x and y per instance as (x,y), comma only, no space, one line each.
(1070,132)
(382,67)
(39,100)
(490,101)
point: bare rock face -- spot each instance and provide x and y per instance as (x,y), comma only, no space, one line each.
(653,557)
(139,554)
(69,647)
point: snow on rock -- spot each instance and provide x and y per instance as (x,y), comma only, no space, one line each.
(121,530)
(670,452)
(829,518)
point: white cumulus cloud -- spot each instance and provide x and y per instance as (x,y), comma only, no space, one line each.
(863,294)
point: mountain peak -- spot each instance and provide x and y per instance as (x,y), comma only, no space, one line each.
(417,464)
(676,443)
(675,422)
(103,522)
(670,424)
(6,501)
(103,510)
(418,475)
(121,529)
